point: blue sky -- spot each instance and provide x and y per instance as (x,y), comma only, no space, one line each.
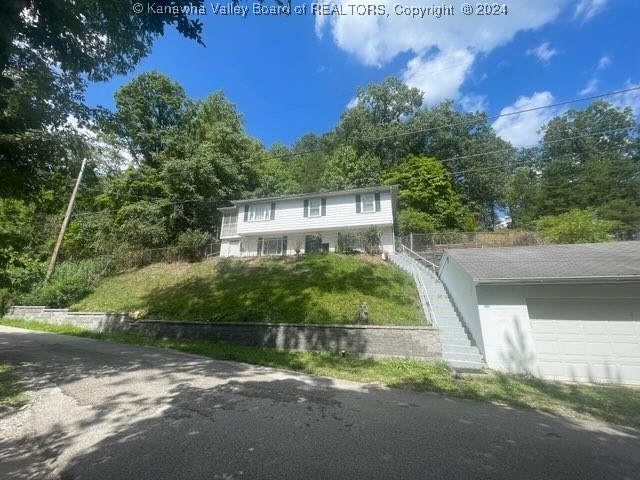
(290,75)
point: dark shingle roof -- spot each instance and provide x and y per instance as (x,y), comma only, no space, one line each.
(614,260)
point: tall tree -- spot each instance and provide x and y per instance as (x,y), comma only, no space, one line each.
(590,158)
(471,151)
(151,111)
(427,201)
(378,121)
(48,50)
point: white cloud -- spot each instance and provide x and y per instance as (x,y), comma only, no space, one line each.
(543,52)
(604,62)
(587,9)
(432,42)
(590,88)
(521,129)
(439,76)
(473,103)
(628,99)
(352,103)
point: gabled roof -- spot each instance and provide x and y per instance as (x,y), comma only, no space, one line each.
(393,189)
(613,261)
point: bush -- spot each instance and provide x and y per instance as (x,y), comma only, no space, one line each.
(371,241)
(345,242)
(575,226)
(69,283)
(191,245)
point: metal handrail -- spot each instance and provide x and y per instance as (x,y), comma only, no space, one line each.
(423,287)
(433,266)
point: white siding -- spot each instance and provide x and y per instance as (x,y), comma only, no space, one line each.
(341,214)
(463,293)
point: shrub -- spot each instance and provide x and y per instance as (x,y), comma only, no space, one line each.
(371,241)
(575,226)
(69,283)
(345,242)
(191,244)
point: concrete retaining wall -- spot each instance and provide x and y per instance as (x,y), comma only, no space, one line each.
(366,340)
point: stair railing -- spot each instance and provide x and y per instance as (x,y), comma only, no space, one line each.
(421,286)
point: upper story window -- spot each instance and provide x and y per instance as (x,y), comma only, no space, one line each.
(259,212)
(315,207)
(229,224)
(368,203)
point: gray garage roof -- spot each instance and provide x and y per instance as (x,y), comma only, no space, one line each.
(618,261)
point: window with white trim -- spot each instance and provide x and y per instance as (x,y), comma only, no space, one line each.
(259,212)
(368,203)
(315,207)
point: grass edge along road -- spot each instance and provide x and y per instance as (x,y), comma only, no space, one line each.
(612,404)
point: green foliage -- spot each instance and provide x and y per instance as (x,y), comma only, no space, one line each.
(192,243)
(597,169)
(70,282)
(426,198)
(151,112)
(377,124)
(345,241)
(6,300)
(371,241)
(46,57)
(575,226)
(464,139)
(346,169)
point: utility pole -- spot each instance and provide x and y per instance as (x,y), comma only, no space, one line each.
(65,222)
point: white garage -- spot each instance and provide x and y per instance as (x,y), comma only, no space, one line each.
(566,312)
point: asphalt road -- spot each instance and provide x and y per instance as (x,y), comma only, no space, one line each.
(102,410)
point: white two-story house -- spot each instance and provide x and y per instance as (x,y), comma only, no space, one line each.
(306,223)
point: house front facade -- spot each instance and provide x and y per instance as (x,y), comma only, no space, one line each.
(306,223)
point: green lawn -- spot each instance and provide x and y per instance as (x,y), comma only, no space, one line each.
(618,405)
(309,289)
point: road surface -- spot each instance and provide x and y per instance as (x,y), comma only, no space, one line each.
(102,410)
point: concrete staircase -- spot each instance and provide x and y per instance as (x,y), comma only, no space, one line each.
(458,348)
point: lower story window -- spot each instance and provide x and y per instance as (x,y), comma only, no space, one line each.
(272,246)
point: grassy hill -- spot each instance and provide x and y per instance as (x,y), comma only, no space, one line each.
(309,289)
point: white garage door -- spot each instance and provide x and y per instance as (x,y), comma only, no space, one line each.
(589,339)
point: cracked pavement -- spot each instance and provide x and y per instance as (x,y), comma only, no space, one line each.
(102,410)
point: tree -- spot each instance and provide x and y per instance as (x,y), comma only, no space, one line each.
(346,169)
(589,159)
(48,50)
(471,151)
(95,38)
(427,201)
(151,111)
(378,122)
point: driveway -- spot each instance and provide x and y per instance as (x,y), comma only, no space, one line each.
(102,410)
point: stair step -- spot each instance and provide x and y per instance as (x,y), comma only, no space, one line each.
(463,349)
(468,366)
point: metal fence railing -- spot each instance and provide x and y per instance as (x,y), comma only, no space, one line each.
(431,246)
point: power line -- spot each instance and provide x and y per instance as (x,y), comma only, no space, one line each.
(461,123)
